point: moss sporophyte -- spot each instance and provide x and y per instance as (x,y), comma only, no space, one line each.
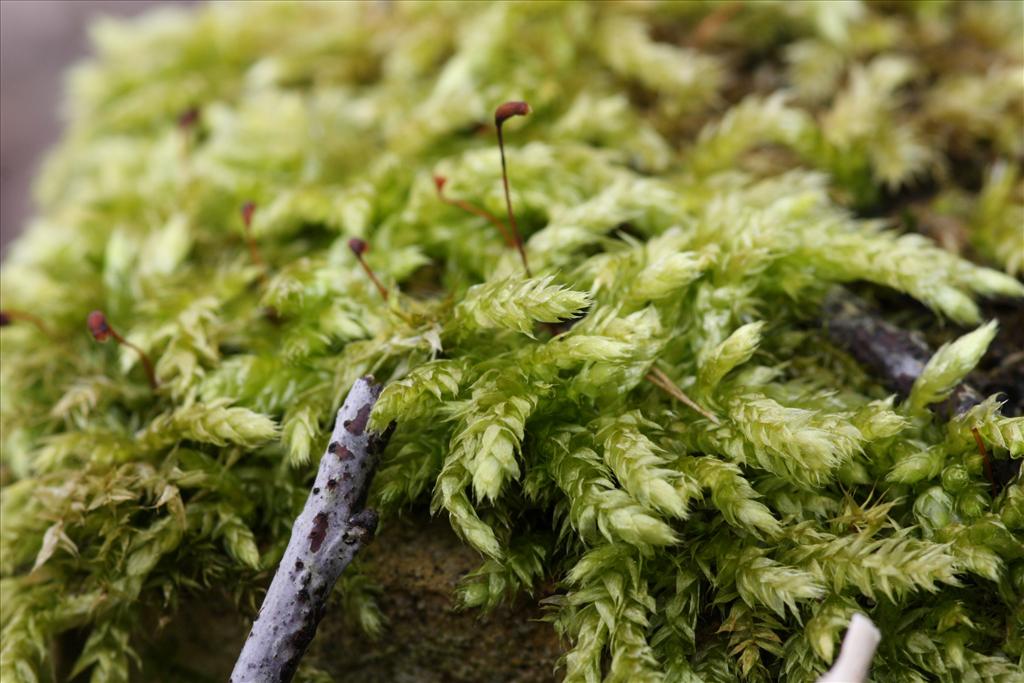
(102,331)
(738,358)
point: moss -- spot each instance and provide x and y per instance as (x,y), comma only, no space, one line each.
(693,180)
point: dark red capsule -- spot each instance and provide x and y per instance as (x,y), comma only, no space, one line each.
(358,246)
(510,109)
(247,211)
(98,326)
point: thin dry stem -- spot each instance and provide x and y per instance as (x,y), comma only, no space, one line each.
(985,460)
(254,251)
(13,314)
(360,247)
(663,382)
(147,364)
(475,210)
(501,114)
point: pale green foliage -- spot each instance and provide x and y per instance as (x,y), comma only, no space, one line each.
(999,430)
(887,566)
(829,621)
(684,77)
(299,433)
(411,469)
(489,429)
(948,367)
(732,495)
(597,508)
(998,217)
(521,567)
(861,121)
(610,118)
(415,394)
(621,197)
(762,580)
(815,68)
(981,104)
(800,445)
(753,121)
(516,304)
(878,420)
(608,607)
(920,466)
(693,179)
(734,351)
(638,464)
(450,494)
(263,383)
(238,540)
(212,423)
(665,275)
(901,263)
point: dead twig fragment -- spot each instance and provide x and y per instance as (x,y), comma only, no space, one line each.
(712,23)
(665,383)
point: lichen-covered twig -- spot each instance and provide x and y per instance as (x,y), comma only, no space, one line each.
(326,536)
(893,355)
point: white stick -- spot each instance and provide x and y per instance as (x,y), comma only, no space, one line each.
(854,660)
(328,533)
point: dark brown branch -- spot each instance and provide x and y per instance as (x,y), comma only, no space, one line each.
(326,536)
(893,355)
(890,353)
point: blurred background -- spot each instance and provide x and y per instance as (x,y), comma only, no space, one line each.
(39,40)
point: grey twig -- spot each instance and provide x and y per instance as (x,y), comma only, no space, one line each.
(328,533)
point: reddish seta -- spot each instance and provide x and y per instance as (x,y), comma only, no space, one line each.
(102,331)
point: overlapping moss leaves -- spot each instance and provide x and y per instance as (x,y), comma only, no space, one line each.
(685,207)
